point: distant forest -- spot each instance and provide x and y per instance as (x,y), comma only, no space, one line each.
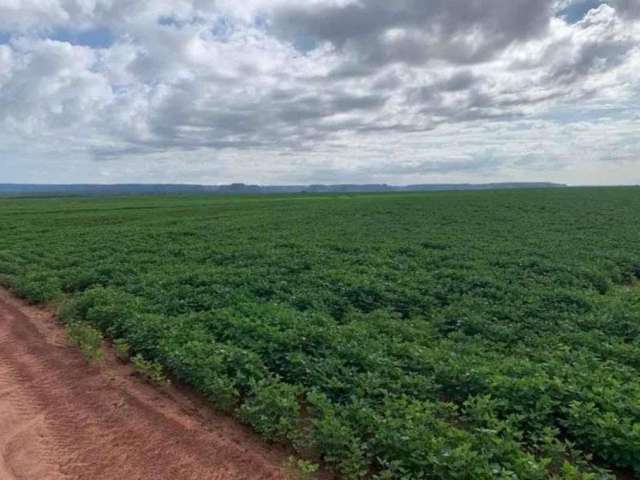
(9,189)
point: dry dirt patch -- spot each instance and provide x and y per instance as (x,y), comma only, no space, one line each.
(61,418)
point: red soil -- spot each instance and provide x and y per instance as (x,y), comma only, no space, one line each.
(61,418)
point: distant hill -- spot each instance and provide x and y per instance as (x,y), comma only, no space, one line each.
(11,189)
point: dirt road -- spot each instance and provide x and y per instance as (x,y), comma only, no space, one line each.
(62,419)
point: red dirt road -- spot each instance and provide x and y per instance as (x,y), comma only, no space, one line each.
(62,419)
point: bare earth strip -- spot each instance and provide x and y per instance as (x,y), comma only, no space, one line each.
(61,418)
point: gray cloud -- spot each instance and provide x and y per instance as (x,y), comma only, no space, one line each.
(273,89)
(415,31)
(629,8)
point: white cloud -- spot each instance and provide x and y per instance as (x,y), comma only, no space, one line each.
(325,90)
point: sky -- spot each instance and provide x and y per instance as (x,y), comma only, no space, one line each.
(319,91)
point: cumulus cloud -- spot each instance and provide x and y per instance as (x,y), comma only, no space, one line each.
(342,90)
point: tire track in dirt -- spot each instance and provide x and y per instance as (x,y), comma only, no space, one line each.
(23,432)
(62,419)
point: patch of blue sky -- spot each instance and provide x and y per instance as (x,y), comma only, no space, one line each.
(95,38)
(222,28)
(301,41)
(577,115)
(261,22)
(577,10)
(4,37)
(304,43)
(119,89)
(171,21)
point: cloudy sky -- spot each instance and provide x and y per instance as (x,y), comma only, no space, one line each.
(319,91)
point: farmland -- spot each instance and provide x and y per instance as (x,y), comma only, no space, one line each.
(452,335)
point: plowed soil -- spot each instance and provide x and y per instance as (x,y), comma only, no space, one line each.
(62,418)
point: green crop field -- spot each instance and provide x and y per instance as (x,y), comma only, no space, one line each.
(453,335)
